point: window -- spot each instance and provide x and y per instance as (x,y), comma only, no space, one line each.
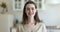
(19,4)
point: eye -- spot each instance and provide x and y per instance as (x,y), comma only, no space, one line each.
(32,8)
(28,9)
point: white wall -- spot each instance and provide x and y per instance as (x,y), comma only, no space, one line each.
(51,16)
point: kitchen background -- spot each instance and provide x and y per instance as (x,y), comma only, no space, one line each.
(49,13)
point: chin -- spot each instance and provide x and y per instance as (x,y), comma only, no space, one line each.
(30,15)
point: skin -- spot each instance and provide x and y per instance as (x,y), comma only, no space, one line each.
(30,11)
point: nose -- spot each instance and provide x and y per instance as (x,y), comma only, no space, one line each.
(30,10)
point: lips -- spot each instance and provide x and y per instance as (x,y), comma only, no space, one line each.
(30,13)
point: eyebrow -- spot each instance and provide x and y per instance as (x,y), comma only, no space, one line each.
(30,7)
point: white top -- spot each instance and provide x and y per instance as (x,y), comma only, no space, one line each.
(39,28)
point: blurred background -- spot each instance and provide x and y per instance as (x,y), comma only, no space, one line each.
(12,11)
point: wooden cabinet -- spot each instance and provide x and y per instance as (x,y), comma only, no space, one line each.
(53,30)
(6,21)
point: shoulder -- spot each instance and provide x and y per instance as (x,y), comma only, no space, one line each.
(20,25)
(42,25)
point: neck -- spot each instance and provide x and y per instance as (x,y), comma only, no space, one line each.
(31,19)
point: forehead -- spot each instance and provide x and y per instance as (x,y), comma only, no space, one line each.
(30,5)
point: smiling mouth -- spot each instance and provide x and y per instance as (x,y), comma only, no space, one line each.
(30,13)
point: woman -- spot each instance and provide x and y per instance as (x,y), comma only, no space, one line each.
(31,22)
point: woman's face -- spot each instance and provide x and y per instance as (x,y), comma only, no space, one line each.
(30,10)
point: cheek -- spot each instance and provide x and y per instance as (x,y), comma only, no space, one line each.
(26,12)
(34,12)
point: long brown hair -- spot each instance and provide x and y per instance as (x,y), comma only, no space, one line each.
(25,17)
